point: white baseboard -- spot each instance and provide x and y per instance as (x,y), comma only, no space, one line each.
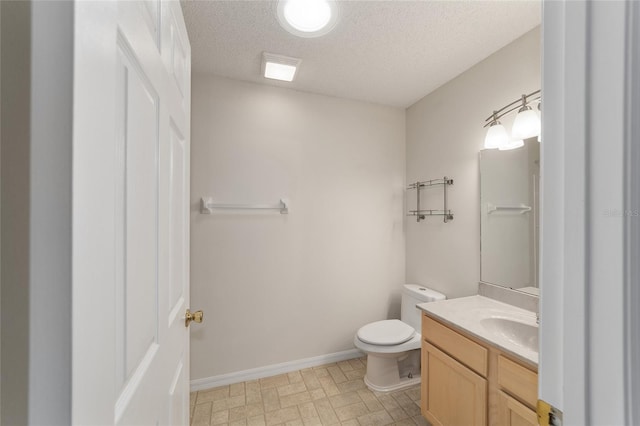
(272,370)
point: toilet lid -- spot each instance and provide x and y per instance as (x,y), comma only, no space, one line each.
(386,333)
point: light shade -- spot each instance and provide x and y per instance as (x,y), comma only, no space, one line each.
(279,67)
(307,18)
(512,145)
(526,125)
(496,136)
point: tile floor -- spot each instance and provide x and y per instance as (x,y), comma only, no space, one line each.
(332,394)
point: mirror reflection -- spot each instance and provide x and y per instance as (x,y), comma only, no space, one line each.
(509,216)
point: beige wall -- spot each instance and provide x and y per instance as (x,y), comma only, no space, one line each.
(444,136)
(278,288)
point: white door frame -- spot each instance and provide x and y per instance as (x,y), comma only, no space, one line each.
(586,290)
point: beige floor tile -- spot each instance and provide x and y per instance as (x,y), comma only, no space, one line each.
(413,393)
(355,374)
(405,422)
(388,402)
(291,389)
(310,379)
(344,399)
(345,366)
(329,386)
(374,405)
(253,393)
(332,394)
(201,414)
(256,421)
(402,399)
(307,410)
(336,374)
(398,414)
(282,415)
(351,385)
(294,377)
(236,389)
(421,421)
(275,381)
(213,394)
(220,417)
(321,372)
(318,394)
(352,411)
(270,399)
(379,418)
(254,409)
(325,412)
(312,421)
(356,363)
(295,399)
(238,413)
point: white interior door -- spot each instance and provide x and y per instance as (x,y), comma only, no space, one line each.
(130,213)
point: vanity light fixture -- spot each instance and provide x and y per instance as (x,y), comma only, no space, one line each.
(526,124)
(308,18)
(496,135)
(278,67)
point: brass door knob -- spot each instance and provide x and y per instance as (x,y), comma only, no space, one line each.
(189,316)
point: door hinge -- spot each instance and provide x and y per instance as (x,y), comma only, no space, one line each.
(548,415)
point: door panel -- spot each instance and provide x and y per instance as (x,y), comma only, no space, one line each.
(179,219)
(139,115)
(130,214)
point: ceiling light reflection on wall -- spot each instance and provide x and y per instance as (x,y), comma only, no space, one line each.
(307,18)
(278,67)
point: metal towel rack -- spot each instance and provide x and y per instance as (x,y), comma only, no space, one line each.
(207,206)
(420,213)
(521,208)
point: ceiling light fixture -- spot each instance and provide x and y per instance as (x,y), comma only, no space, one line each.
(307,18)
(278,67)
(526,125)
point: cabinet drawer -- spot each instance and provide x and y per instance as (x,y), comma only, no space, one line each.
(518,381)
(459,347)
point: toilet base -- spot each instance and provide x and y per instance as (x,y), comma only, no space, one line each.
(391,372)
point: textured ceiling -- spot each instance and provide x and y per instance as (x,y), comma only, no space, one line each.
(387,52)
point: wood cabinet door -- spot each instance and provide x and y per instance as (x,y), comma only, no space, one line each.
(514,413)
(452,394)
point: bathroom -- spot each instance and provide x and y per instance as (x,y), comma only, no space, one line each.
(333,156)
(338,259)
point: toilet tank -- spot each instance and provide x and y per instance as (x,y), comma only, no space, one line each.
(412,294)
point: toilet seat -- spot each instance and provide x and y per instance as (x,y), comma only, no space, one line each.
(386,333)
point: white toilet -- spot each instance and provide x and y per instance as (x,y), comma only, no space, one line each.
(393,346)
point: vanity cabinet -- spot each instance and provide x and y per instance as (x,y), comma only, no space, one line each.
(468,382)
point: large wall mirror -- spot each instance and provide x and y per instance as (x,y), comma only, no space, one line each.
(509,216)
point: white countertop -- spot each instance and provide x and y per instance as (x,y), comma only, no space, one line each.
(468,313)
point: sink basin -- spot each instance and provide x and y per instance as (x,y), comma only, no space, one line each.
(518,333)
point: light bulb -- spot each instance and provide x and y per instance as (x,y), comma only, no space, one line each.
(496,136)
(307,18)
(526,125)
